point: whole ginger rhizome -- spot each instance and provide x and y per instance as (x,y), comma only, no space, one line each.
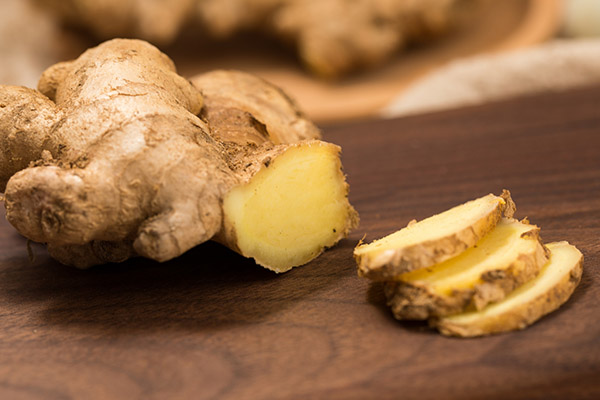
(116,156)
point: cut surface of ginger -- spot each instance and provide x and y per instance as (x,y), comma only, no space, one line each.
(551,288)
(432,240)
(437,226)
(293,208)
(499,250)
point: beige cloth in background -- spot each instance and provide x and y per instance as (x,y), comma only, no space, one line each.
(554,66)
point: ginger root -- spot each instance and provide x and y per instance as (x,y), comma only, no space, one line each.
(332,37)
(128,158)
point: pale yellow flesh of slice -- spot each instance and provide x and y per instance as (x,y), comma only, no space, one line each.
(292,209)
(495,251)
(436,227)
(564,257)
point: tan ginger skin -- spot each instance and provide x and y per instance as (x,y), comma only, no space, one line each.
(124,166)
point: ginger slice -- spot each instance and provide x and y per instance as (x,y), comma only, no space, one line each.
(505,258)
(528,303)
(292,209)
(432,240)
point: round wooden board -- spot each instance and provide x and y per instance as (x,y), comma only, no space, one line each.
(495,26)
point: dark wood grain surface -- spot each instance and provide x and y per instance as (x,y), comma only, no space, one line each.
(213,325)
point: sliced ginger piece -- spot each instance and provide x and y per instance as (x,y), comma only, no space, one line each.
(292,209)
(528,303)
(505,258)
(432,240)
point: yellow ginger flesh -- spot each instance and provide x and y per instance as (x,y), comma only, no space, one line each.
(539,296)
(498,250)
(291,210)
(435,227)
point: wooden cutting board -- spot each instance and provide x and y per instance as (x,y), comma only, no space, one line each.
(488,27)
(211,324)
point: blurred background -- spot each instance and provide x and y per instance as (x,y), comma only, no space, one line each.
(341,60)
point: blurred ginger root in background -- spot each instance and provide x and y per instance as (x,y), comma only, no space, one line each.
(332,37)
